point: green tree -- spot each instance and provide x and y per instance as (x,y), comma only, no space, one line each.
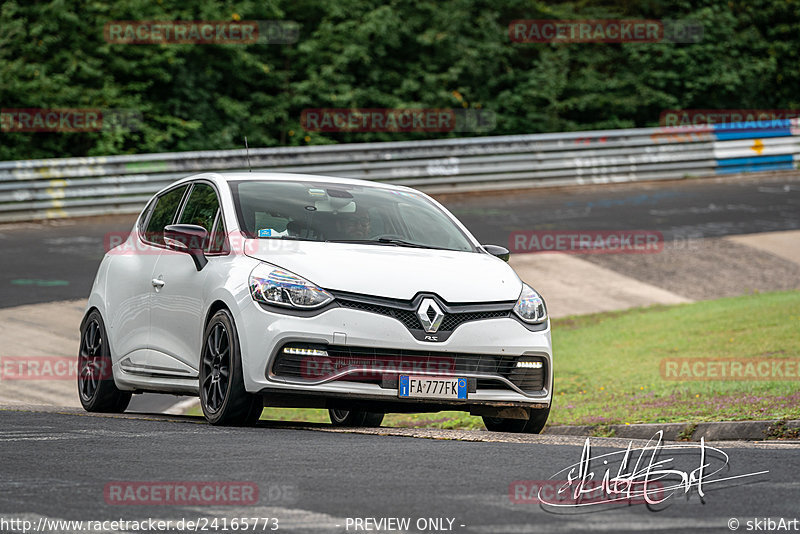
(396,54)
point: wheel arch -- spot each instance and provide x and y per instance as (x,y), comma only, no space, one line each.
(86,315)
(92,308)
(215,306)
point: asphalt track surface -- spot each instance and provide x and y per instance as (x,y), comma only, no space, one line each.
(57,465)
(57,260)
(678,209)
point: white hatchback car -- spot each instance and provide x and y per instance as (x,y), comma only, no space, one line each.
(254,289)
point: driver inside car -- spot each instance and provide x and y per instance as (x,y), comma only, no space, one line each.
(355,225)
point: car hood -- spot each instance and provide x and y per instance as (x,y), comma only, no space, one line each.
(392,271)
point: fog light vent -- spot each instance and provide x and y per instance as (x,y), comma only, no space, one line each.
(529,365)
(301,351)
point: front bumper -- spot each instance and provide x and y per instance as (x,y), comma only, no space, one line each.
(263,333)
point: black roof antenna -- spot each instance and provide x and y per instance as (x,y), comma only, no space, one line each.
(247,148)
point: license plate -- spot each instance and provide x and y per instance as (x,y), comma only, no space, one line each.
(432,387)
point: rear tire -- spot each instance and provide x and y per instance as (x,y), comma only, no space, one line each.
(358,418)
(223,397)
(533,425)
(96,388)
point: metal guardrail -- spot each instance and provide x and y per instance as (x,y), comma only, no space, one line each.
(53,188)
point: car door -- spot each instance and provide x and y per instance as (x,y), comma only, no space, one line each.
(129,282)
(177,309)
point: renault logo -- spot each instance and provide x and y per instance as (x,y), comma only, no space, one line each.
(430,315)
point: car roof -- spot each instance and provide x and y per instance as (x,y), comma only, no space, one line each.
(292,177)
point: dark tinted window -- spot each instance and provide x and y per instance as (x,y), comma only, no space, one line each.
(145,215)
(163,214)
(217,242)
(201,208)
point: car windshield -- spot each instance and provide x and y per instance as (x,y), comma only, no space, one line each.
(344,213)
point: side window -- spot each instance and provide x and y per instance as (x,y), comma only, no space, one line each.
(201,208)
(218,242)
(144,216)
(163,214)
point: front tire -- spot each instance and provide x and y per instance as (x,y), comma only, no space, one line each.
(533,425)
(355,418)
(96,388)
(223,397)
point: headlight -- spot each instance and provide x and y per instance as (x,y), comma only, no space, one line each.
(530,306)
(282,288)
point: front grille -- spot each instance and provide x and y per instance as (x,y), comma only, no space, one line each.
(371,365)
(452,320)
(409,317)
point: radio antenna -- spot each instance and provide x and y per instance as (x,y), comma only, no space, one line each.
(247,149)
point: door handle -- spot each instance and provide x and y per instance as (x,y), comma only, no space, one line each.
(158,283)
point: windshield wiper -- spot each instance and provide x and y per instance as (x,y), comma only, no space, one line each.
(289,238)
(384,241)
(403,243)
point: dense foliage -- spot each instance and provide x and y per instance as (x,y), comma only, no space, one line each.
(396,54)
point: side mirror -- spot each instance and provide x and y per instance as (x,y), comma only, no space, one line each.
(188,238)
(496,250)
